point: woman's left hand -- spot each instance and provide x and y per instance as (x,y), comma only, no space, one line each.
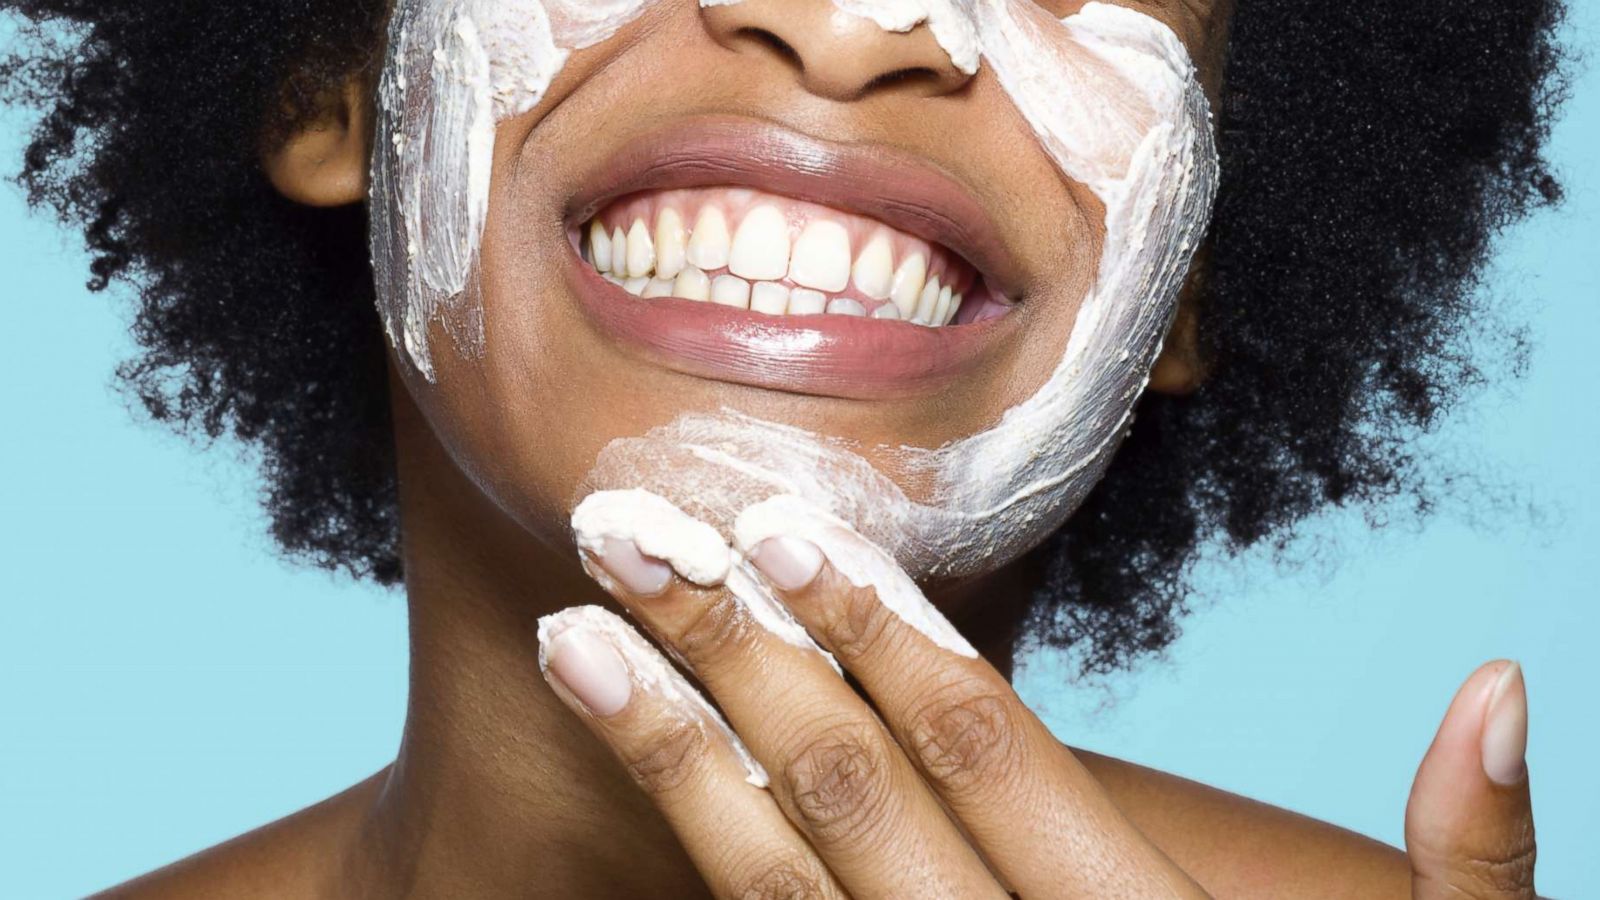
(956,790)
(1469,825)
(947,785)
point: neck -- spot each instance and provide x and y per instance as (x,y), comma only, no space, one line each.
(497,787)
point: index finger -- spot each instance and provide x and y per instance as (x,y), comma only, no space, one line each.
(681,753)
(1039,817)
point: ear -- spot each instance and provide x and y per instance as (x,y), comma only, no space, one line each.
(323,160)
(1180,370)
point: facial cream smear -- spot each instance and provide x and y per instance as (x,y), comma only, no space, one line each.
(1112,97)
(694,550)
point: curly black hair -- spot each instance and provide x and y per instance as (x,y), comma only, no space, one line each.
(1369,158)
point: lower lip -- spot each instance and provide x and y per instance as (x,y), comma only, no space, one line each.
(849,357)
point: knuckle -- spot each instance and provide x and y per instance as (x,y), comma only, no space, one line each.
(838,782)
(855,625)
(784,878)
(1507,873)
(669,758)
(965,736)
(710,627)
(1505,868)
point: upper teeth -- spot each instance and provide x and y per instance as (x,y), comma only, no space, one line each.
(761,245)
(671,245)
(821,257)
(708,249)
(874,269)
(760,268)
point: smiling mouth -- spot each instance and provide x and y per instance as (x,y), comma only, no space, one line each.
(778,256)
(741,251)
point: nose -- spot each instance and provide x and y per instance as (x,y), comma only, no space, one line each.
(835,54)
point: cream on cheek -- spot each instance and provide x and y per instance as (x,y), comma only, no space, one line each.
(1112,97)
(455,69)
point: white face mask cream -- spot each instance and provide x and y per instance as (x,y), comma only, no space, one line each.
(1111,96)
(696,552)
(455,69)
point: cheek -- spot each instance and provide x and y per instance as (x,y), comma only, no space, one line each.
(496,418)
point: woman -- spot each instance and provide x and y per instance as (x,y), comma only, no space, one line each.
(721,314)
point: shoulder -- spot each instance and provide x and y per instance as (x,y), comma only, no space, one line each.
(297,856)
(1237,847)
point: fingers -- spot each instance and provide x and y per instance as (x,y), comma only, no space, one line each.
(1038,816)
(1469,823)
(836,772)
(679,751)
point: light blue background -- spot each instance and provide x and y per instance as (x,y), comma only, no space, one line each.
(166,683)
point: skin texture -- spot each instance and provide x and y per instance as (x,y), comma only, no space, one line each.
(497,786)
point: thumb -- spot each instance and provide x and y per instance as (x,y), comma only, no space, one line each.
(1469,823)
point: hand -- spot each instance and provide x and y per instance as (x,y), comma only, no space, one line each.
(1469,825)
(951,788)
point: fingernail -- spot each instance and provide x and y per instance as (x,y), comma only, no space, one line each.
(588,666)
(638,573)
(789,563)
(1505,729)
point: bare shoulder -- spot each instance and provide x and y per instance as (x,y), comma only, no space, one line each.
(296,856)
(1237,847)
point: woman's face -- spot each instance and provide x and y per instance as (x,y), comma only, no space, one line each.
(771,166)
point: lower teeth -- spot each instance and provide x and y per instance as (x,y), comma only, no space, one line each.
(935,306)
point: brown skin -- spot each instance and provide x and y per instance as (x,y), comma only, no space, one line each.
(499,790)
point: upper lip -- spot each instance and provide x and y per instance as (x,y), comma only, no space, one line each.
(897,188)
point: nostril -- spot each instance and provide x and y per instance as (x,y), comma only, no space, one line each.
(838,57)
(908,76)
(774,43)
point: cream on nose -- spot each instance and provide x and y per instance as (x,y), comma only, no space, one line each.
(833,53)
